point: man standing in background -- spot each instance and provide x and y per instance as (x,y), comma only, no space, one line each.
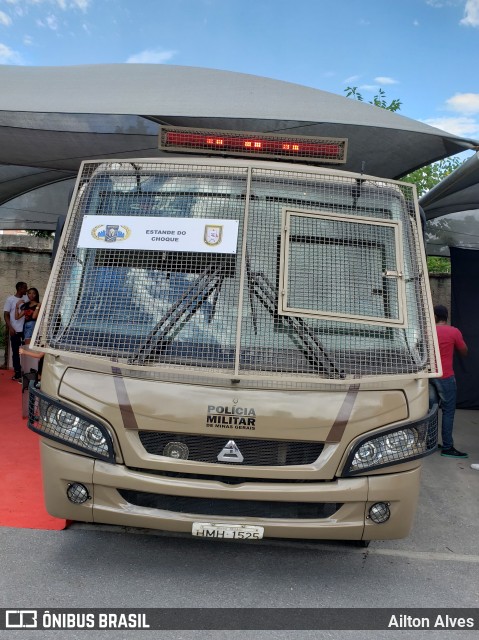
(450,339)
(15,327)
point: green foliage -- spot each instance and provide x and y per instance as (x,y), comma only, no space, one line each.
(427,177)
(3,334)
(379,100)
(41,234)
(437,264)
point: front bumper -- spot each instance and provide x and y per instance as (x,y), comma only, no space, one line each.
(106,505)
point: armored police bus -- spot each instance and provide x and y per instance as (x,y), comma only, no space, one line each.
(238,338)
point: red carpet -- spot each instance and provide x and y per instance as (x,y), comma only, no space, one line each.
(21,498)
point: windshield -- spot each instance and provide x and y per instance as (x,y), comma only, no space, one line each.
(221,310)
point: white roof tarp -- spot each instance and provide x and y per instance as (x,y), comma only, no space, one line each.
(52,118)
(452,210)
(459,191)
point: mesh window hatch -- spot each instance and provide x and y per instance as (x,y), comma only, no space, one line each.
(342,268)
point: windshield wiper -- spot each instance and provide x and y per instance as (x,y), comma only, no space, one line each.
(313,349)
(209,282)
(191,301)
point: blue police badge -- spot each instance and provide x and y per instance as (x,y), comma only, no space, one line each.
(111,232)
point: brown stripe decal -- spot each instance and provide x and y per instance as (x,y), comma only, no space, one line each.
(336,432)
(127,415)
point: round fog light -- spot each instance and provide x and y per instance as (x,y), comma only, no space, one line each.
(380,512)
(77,493)
(177,450)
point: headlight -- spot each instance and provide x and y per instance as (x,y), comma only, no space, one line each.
(94,437)
(409,442)
(57,416)
(401,440)
(51,419)
(368,454)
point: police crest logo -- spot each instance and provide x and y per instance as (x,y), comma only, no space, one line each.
(110,232)
(213,234)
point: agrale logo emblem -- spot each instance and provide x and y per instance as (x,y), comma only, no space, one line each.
(111,232)
(213,234)
(230,453)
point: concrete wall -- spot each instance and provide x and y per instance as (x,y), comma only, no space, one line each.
(441,289)
(24,257)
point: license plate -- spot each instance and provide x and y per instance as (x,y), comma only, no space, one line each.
(230,531)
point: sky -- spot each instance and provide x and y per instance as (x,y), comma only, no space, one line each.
(423,52)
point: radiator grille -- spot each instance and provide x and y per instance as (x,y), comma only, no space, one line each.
(340,295)
(233,508)
(255,452)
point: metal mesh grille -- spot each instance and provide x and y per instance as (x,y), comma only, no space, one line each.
(333,349)
(219,312)
(233,508)
(254,451)
(329,259)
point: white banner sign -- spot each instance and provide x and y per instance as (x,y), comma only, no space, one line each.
(159,234)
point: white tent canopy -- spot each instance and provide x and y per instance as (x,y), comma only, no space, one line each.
(52,118)
(452,210)
(459,191)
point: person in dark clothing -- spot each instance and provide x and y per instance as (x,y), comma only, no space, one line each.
(15,327)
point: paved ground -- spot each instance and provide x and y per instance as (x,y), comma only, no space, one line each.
(85,566)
